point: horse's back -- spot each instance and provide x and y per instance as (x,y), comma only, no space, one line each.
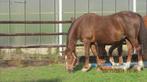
(95,28)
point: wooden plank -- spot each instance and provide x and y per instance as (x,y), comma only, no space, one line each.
(31,34)
(34,22)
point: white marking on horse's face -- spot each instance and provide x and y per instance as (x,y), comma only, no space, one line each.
(70,61)
(66,62)
(65,57)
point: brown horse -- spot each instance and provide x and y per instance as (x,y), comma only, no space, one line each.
(94,30)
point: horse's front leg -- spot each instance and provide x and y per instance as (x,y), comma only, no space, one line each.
(95,51)
(86,66)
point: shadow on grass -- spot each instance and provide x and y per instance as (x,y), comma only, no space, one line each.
(45,80)
(79,67)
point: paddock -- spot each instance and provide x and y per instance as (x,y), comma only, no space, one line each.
(35,35)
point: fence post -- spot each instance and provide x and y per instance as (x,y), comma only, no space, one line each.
(60,27)
(134,5)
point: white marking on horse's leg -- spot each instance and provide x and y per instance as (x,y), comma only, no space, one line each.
(112,61)
(134,51)
(139,68)
(141,63)
(86,69)
(126,66)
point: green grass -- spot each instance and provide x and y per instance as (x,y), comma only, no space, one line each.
(57,73)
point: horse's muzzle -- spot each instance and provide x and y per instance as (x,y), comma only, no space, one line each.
(70,70)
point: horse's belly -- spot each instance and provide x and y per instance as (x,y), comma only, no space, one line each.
(108,40)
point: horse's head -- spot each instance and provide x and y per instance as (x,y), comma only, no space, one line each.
(70,59)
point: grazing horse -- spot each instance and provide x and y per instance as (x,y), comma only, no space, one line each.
(94,30)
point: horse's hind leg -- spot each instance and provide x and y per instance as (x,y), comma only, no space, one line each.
(111,59)
(120,59)
(119,49)
(140,65)
(136,48)
(86,66)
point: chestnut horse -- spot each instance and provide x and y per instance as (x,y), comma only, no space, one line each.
(94,30)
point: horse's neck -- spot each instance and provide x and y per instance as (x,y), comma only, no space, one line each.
(71,41)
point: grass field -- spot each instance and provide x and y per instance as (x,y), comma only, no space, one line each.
(57,73)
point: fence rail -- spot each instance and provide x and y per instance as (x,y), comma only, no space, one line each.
(35,46)
(34,34)
(31,34)
(35,22)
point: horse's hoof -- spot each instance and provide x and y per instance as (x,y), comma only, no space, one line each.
(115,64)
(86,69)
(125,67)
(138,68)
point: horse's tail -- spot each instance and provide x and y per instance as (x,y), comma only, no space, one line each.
(143,36)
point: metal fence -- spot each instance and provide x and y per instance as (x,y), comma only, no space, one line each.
(35,23)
